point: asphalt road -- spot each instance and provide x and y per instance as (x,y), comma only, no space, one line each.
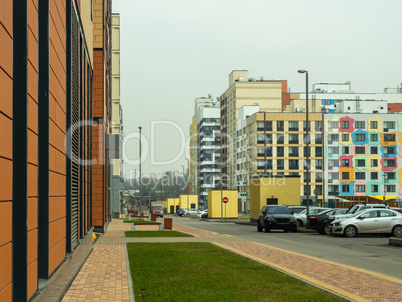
(369,252)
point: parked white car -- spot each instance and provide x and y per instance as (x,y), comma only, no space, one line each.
(203,214)
(188,212)
(301,217)
(369,221)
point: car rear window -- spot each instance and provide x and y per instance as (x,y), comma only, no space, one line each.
(278,210)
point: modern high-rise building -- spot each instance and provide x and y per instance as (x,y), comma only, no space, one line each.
(270,96)
(205,148)
(48,142)
(208,152)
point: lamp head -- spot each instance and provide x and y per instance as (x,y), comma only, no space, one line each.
(302,71)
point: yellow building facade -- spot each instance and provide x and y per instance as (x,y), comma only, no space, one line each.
(218,209)
(188,201)
(273,190)
(172,205)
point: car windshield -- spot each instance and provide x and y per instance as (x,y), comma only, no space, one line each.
(157,207)
(303,212)
(277,210)
(353,209)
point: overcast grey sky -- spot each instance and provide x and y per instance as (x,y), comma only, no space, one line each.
(174,51)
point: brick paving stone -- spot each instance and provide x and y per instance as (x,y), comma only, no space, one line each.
(355,283)
(196,232)
(103,277)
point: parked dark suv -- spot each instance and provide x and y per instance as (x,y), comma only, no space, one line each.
(274,217)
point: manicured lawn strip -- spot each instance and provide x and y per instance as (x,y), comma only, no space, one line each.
(155,234)
(139,221)
(204,272)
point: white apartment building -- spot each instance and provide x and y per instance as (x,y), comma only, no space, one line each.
(242,172)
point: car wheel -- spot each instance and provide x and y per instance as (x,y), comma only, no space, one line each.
(321,231)
(285,230)
(259,226)
(266,228)
(299,223)
(293,230)
(397,231)
(350,231)
(326,229)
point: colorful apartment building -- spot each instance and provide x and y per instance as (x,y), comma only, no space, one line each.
(46,119)
(363,156)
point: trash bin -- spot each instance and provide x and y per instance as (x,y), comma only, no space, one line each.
(153,217)
(168,223)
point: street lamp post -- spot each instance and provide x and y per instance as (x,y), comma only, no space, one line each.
(184,184)
(307,143)
(140,150)
(188,181)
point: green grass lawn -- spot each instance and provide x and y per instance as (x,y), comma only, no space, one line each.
(204,272)
(155,234)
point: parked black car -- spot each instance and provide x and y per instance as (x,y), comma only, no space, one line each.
(320,221)
(180,212)
(275,217)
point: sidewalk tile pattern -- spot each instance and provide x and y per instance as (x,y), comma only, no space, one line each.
(368,286)
(103,276)
(196,232)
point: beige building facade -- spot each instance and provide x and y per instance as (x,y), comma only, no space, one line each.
(115,123)
(270,96)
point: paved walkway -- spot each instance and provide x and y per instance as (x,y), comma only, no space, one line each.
(104,275)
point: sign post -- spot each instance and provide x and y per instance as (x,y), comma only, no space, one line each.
(225,200)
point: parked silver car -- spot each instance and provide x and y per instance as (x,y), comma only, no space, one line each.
(369,221)
(188,212)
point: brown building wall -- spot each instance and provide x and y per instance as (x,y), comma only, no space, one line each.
(6,115)
(98,211)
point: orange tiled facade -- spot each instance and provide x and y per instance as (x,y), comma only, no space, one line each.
(51,130)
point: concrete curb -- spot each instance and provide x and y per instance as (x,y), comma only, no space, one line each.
(395,241)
